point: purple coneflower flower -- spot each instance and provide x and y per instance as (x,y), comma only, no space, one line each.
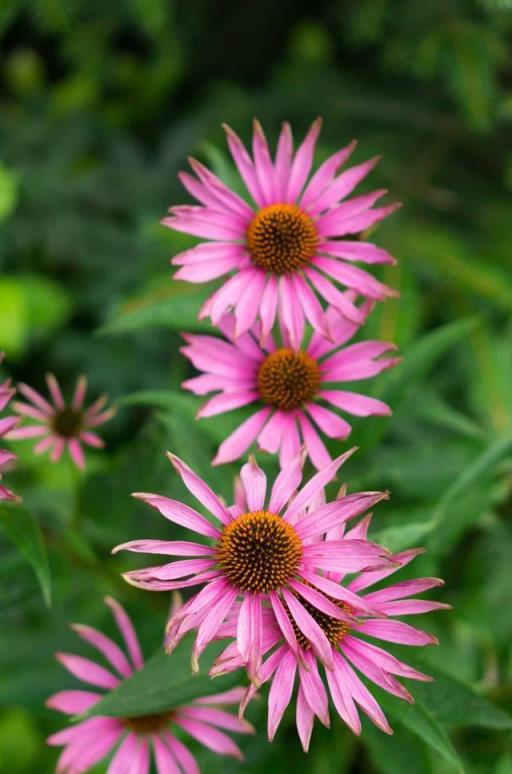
(288,248)
(373,616)
(260,554)
(60,425)
(287,385)
(134,738)
(6,426)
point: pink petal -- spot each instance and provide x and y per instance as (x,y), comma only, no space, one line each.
(127,631)
(212,621)
(254,482)
(338,512)
(361,694)
(342,698)
(346,555)
(263,164)
(179,513)
(304,719)
(355,278)
(244,165)
(209,737)
(290,443)
(268,306)
(287,482)
(353,403)
(370,578)
(365,252)
(329,423)
(35,397)
(219,404)
(228,198)
(182,755)
(310,305)
(87,670)
(333,296)
(55,392)
(290,312)
(76,452)
(280,692)
(309,628)
(112,652)
(73,702)
(404,589)
(219,718)
(30,411)
(314,690)
(165,547)
(239,441)
(342,186)
(283,161)
(396,631)
(324,175)
(315,484)
(80,390)
(31,431)
(249,635)
(302,162)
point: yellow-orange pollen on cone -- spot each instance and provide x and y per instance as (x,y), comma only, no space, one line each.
(281,238)
(67,422)
(288,379)
(334,629)
(259,552)
(148,724)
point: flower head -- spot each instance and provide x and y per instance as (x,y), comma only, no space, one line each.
(287,249)
(62,425)
(7,424)
(134,738)
(292,658)
(260,553)
(288,386)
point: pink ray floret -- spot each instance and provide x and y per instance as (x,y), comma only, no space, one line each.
(292,244)
(133,742)
(59,425)
(7,425)
(254,554)
(291,657)
(292,391)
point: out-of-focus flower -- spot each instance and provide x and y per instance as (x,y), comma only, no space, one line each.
(294,656)
(287,249)
(263,553)
(59,425)
(7,424)
(134,738)
(287,385)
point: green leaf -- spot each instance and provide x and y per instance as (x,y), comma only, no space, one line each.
(456,704)
(23,530)
(421,721)
(165,682)
(488,459)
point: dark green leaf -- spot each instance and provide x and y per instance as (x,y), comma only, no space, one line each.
(22,528)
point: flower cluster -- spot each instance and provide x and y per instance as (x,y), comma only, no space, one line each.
(288,577)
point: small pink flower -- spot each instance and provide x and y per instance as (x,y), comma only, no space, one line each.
(133,738)
(287,385)
(374,615)
(61,425)
(287,250)
(7,424)
(260,552)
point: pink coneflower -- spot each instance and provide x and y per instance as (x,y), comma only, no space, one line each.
(134,739)
(289,386)
(6,426)
(262,553)
(62,426)
(294,656)
(285,249)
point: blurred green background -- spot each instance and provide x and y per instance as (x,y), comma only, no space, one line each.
(102,103)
